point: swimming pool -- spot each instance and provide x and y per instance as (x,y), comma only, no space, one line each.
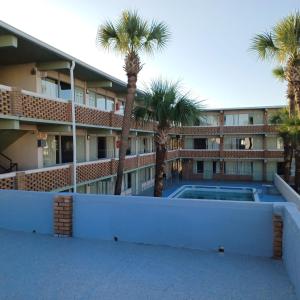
(216,193)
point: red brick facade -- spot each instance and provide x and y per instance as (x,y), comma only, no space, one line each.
(63,216)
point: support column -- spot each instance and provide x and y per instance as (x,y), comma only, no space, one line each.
(264,170)
(16,101)
(277,236)
(20,181)
(63,215)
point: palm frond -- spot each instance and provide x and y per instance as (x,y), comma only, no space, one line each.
(168,105)
(131,33)
(157,37)
(287,37)
(279,73)
(263,45)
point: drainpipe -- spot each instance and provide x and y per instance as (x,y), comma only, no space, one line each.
(73,125)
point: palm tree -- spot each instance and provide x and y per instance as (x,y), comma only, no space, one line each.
(130,36)
(282,44)
(293,126)
(280,75)
(282,120)
(163,102)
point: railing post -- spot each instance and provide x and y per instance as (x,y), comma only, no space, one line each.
(20,181)
(16,101)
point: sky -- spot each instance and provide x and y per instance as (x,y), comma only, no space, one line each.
(208,51)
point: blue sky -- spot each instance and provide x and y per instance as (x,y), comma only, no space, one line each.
(209,50)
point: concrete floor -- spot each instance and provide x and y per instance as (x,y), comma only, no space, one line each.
(43,267)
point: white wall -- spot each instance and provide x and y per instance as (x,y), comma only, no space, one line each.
(244,228)
(291,245)
(26,211)
(286,190)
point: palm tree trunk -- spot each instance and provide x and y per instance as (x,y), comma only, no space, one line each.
(297,171)
(288,155)
(132,68)
(161,152)
(296,86)
(291,98)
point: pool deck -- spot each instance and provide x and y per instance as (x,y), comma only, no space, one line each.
(44,267)
(261,187)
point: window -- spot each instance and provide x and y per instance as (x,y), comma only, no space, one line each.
(128,181)
(279,143)
(64,90)
(200,167)
(238,119)
(216,167)
(92,99)
(239,168)
(50,87)
(79,95)
(240,143)
(209,120)
(128,151)
(200,143)
(100,102)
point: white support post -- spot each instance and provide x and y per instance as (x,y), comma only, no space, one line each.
(73,126)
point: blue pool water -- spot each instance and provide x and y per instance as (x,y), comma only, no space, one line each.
(215,193)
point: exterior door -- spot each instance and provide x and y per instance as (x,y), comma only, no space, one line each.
(101,147)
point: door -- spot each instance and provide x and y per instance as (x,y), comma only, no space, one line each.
(101,147)
(66,149)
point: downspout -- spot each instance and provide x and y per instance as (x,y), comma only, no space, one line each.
(73,126)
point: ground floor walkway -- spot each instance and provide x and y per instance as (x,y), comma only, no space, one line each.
(43,267)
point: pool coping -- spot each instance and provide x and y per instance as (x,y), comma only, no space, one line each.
(177,191)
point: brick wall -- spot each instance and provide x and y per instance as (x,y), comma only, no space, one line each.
(5,102)
(40,108)
(48,180)
(63,215)
(91,171)
(7,183)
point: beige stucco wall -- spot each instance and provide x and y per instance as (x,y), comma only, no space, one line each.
(19,76)
(24,151)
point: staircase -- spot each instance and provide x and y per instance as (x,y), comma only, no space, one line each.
(7,165)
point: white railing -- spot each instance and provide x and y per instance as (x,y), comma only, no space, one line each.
(47,169)
(8,175)
(39,95)
(5,87)
(287,192)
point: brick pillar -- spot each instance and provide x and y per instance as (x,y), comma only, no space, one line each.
(16,101)
(63,215)
(20,181)
(277,236)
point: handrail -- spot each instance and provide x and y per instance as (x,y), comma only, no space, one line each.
(12,165)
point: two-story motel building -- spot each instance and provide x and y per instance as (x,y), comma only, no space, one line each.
(36,146)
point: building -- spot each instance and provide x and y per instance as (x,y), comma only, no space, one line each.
(36,133)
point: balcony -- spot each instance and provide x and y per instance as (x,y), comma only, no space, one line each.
(60,177)
(32,106)
(201,130)
(199,153)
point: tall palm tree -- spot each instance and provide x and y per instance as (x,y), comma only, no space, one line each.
(163,102)
(293,126)
(282,44)
(280,75)
(131,35)
(282,120)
